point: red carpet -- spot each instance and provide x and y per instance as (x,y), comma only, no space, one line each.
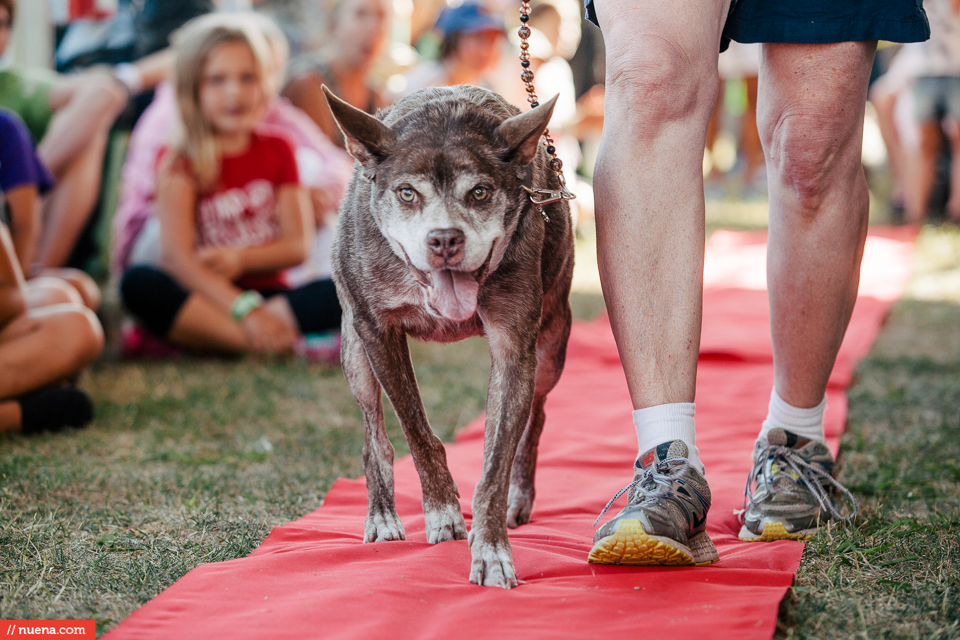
(313,578)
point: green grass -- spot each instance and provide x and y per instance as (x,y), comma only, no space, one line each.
(194,461)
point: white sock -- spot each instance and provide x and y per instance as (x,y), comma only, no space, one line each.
(666,422)
(806,423)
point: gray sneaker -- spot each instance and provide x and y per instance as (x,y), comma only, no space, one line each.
(787,493)
(665,520)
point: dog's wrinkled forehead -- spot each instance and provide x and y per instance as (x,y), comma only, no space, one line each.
(451,129)
(443,147)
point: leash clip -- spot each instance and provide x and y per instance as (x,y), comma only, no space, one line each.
(543,197)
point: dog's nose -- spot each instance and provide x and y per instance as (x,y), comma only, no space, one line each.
(446,245)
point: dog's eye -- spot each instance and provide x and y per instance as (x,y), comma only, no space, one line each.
(480,193)
(407,194)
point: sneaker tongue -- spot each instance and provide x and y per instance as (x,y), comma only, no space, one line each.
(454,294)
(783,438)
(672,449)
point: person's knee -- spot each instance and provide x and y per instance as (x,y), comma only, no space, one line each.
(809,149)
(153,297)
(103,97)
(91,339)
(84,285)
(46,291)
(78,336)
(658,82)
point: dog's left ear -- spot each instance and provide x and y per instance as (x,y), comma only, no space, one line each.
(521,134)
(368,140)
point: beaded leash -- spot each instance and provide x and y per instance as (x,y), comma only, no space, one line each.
(539,197)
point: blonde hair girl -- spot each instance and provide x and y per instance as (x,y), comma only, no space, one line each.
(233,215)
(196,139)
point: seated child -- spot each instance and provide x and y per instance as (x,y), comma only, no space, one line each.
(41,348)
(232,214)
(69,118)
(23,179)
(323,167)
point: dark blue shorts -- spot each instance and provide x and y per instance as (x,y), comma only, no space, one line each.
(819,21)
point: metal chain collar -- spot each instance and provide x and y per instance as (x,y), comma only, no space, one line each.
(539,197)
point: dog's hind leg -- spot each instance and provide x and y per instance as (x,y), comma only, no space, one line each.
(389,357)
(382,521)
(551,354)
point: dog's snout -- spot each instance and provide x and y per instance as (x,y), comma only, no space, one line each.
(446,246)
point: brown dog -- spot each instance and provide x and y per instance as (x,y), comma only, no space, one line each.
(438,240)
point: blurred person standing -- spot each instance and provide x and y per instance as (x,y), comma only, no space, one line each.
(892,97)
(356,38)
(740,62)
(936,96)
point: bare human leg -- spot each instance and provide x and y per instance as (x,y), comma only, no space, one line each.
(67,210)
(43,347)
(884,95)
(953,205)
(713,129)
(85,285)
(923,171)
(203,326)
(46,291)
(811,108)
(86,106)
(662,86)
(749,135)
(73,149)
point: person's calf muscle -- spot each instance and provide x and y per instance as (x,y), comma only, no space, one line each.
(811,117)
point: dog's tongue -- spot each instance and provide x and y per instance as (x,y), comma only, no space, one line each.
(454,294)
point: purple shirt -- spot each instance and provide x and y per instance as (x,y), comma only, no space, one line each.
(19,164)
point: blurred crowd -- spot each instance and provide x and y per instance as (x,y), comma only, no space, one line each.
(182,152)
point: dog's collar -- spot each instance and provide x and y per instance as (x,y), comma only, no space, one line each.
(542,197)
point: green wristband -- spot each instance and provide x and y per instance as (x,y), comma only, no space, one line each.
(244,304)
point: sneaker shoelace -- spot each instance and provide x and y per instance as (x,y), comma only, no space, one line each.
(653,482)
(811,475)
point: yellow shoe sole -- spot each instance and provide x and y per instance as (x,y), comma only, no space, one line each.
(775,531)
(631,545)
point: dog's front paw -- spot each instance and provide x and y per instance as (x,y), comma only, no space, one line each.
(492,564)
(519,506)
(383,526)
(445,523)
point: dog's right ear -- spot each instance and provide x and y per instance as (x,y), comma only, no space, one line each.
(521,134)
(368,140)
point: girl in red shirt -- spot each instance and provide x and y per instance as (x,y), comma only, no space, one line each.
(233,216)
